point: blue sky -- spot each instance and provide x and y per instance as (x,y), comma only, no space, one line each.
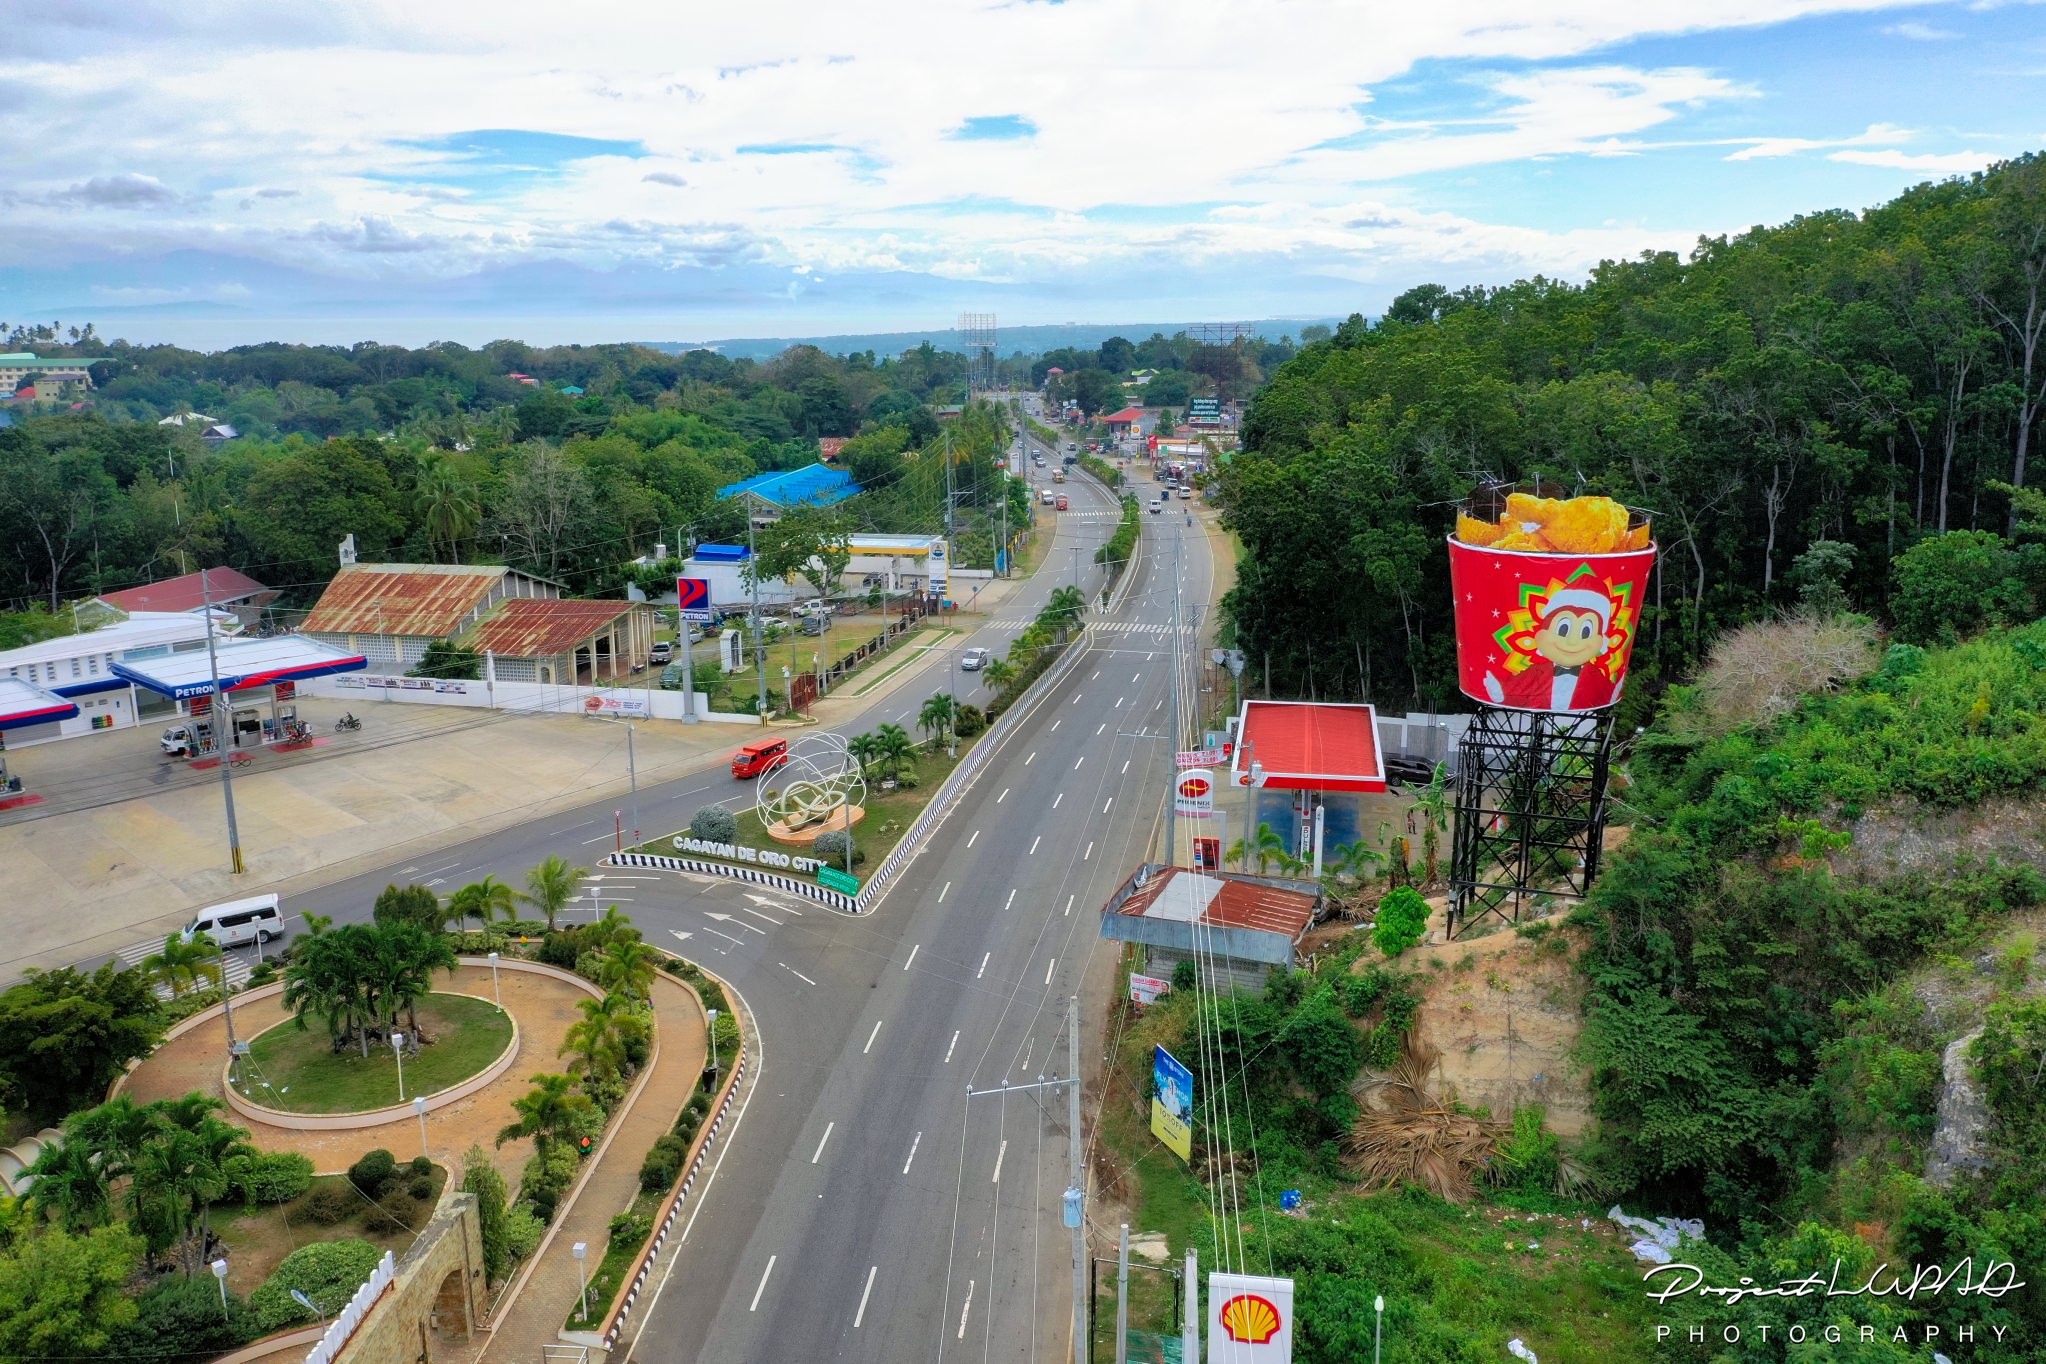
(231,170)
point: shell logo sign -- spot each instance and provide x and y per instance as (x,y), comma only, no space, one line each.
(1252,1321)
(1248,1319)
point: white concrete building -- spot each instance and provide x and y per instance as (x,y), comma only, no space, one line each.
(80,668)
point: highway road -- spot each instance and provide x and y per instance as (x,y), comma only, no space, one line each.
(862,1207)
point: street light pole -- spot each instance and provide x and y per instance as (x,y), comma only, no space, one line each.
(496,990)
(419,1107)
(220,729)
(632,771)
(753,574)
(579,1250)
(398,1050)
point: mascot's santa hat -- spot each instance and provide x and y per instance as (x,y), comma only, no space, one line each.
(1582,599)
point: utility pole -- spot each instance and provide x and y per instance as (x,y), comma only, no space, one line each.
(1076,1195)
(753,574)
(1172,730)
(221,726)
(1074,1204)
(1122,1297)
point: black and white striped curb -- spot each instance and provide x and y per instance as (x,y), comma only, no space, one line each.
(652,1254)
(830,899)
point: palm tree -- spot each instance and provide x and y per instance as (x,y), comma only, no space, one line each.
(610,928)
(1431,803)
(551,885)
(447,505)
(407,956)
(893,748)
(599,1049)
(1065,607)
(1265,846)
(627,969)
(337,975)
(184,961)
(863,749)
(937,713)
(483,901)
(998,675)
(68,1182)
(546,1110)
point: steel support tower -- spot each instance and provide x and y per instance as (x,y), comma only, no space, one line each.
(1530,811)
(977,335)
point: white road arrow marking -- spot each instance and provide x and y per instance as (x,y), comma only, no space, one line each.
(728,919)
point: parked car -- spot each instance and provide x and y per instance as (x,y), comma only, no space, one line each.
(815,625)
(762,755)
(816,606)
(662,652)
(973,660)
(1185,493)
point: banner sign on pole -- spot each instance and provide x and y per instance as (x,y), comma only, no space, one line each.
(1172,1104)
(1201,757)
(693,596)
(1193,796)
(1146,989)
(1251,1319)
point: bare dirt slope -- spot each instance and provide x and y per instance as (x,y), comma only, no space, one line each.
(1504,1011)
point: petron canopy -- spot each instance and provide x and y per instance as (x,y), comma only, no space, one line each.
(243,663)
(23,704)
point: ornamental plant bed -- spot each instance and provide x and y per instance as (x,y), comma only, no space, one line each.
(297,1069)
(258,1240)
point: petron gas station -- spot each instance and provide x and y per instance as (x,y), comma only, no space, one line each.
(23,705)
(258,679)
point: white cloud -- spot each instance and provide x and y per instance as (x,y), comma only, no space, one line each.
(1790,146)
(320,129)
(1952,163)
(1919,33)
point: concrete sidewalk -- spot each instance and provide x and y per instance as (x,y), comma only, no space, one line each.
(541,1304)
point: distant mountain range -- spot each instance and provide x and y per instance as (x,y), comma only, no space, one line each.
(212,299)
(1008,340)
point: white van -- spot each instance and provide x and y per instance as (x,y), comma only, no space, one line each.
(239,922)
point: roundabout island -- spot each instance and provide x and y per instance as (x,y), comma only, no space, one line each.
(480,1060)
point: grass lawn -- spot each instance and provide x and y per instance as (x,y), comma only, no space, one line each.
(257,1241)
(305,1076)
(909,649)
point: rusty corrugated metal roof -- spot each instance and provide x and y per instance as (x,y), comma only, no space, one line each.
(1223,902)
(542,627)
(429,601)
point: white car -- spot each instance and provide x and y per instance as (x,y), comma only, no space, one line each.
(973,660)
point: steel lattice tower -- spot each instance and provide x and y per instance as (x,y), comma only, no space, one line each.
(977,335)
(1530,802)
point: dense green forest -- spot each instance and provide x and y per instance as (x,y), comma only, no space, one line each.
(435,454)
(1869,380)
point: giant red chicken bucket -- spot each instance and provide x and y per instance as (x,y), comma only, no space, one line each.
(1546,628)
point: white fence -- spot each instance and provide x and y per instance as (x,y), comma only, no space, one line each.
(530,698)
(348,1318)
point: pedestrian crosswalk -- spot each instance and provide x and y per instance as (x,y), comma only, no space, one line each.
(1119,627)
(240,962)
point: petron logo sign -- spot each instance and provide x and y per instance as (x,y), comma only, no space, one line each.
(1193,796)
(1253,1319)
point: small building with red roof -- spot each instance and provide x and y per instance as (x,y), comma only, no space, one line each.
(1235,925)
(227,588)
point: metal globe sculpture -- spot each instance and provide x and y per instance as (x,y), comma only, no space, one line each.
(819,779)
